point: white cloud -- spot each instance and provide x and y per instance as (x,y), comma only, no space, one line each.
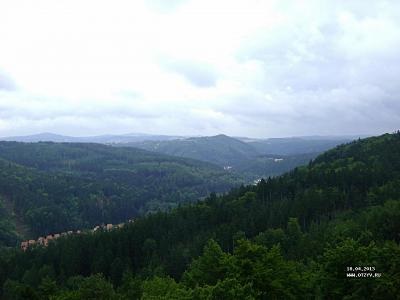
(255,68)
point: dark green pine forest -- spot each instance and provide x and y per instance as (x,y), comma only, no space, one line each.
(54,187)
(289,237)
(251,158)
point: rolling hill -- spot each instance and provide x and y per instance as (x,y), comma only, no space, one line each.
(101,139)
(220,149)
(251,158)
(54,187)
(328,230)
(297,145)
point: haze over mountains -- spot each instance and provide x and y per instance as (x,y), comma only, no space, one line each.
(51,182)
(220,149)
(141,137)
(198,150)
(252,158)
(195,147)
(289,237)
(102,139)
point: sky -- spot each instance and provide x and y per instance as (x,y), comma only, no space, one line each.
(243,68)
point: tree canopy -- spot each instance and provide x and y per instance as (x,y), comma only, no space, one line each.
(297,236)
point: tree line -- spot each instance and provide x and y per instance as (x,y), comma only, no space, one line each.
(55,187)
(289,237)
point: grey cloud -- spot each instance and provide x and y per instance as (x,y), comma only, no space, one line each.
(324,55)
(323,79)
(312,76)
(164,6)
(361,110)
(18,105)
(197,73)
(129,94)
(6,82)
(291,58)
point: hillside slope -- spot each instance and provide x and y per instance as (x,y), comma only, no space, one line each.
(63,186)
(253,158)
(220,149)
(297,236)
(296,145)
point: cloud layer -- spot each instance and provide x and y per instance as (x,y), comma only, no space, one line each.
(252,68)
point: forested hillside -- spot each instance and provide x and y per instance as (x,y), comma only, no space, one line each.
(220,149)
(253,158)
(297,145)
(297,236)
(53,187)
(264,166)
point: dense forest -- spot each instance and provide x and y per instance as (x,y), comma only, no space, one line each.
(328,230)
(252,158)
(297,145)
(264,166)
(220,149)
(54,187)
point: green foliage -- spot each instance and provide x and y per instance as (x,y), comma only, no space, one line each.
(208,268)
(14,290)
(8,235)
(59,187)
(47,288)
(384,257)
(253,159)
(221,149)
(290,237)
(95,287)
(163,288)
(131,287)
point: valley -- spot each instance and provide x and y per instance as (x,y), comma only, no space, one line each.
(301,229)
(55,187)
(67,185)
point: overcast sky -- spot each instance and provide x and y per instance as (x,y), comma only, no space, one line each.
(243,68)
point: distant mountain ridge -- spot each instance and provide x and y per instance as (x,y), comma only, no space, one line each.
(220,149)
(297,236)
(297,145)
(252,157)
(141,137)
(255,157)
(101,139)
